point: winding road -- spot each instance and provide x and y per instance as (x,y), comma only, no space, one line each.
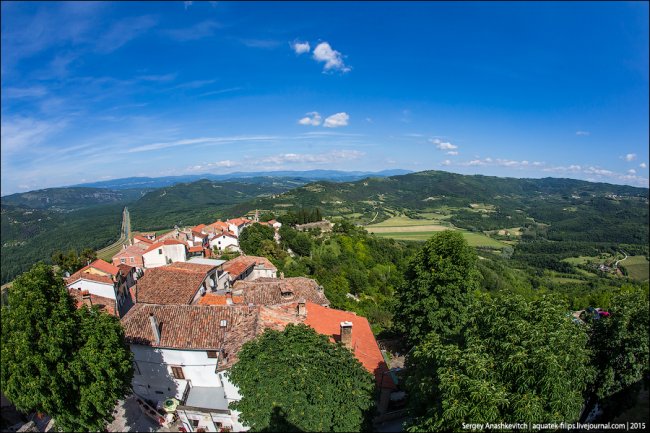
(125,234)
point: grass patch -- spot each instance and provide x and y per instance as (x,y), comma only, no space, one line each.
(400,221)
(638,267)
(473,239)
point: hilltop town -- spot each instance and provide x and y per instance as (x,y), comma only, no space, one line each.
(186,314)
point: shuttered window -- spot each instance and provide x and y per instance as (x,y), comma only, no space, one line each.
(178,373)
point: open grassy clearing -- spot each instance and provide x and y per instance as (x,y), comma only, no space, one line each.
(473,239)
(108,254)
(401,221)
(409,229)
(637,267)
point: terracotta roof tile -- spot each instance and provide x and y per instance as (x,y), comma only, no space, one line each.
(327,321)
(104,267)
(196,249)
(273,291)
(88,276)
(165,242)
(143,239)
(172,284)
(132,250)
(192,327)
(239,265)
(214,299)
(105,304)
(125,269)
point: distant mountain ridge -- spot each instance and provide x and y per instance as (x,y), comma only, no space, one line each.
(255,177)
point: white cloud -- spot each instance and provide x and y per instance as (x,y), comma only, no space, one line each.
(218,164)
(321,158)
(452,152)
(22,133)
(301,47)
(201,141)
(332,58)
(24,92)
(312,119)
(629,157)
(643,165)
(631,171)
(443,145)
(446,162)
(583,133)
(337,120)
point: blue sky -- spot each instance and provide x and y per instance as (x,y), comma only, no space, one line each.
(94,91)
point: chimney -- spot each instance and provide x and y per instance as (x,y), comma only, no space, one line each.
(346,334)
(302,309)
(85,298)
(154,327)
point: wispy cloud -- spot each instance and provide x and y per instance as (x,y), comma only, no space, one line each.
(301,47)
(23,133)
(187,4)
(24,92)
(260,43)
(583,133)
(337,120)
(321,158)
(124,31)
(643,165)
(218,164)
(220,91)
(452,152)
(198,31)
(333,59)
(629,157)
(200,141)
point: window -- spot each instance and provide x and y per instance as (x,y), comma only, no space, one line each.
(178,373)
(195,422)
(122,260)
(160,251)
(212,354)
(132,260)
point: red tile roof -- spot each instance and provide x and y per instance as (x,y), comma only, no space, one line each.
(214,299)
(176,283)
(273,291)
(198,228)
(327,321)
(219,226)
(105,304)
(143,239)
(104,267)
(192,327)
(196,249)
(81,274)
(165,242)
(132,250)
(125,269)
(239,265)
(239,221)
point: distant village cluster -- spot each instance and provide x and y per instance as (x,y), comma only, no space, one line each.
(186,315)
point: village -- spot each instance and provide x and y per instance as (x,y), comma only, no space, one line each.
(186,314)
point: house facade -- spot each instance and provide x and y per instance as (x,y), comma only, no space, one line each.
(131,255)
(224,241)
(175,357)
(165,252)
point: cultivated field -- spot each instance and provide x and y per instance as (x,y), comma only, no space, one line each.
(404,228)
(637,267)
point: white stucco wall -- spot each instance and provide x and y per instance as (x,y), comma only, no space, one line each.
(94,287)
(175,252)
(222,242)
(155,370)
(153,258)
(262,273)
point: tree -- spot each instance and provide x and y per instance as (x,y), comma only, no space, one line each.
(314,384)
(620,343)
(72,262)
(516,360)
(71,364)
(250,239)
(438,280)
